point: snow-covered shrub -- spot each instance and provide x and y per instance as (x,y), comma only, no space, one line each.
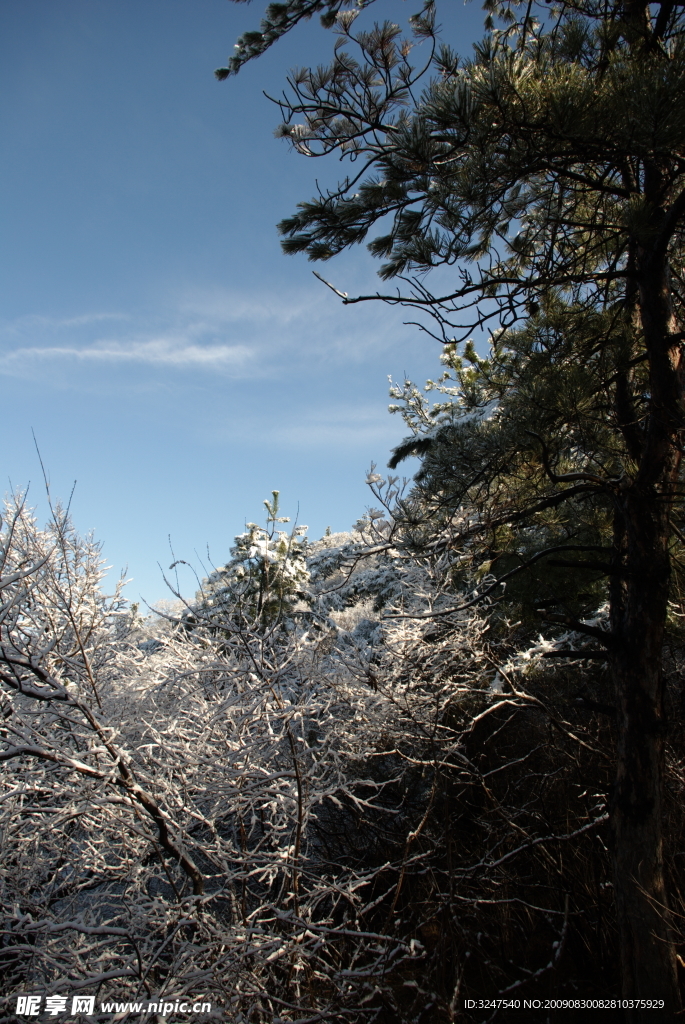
(360,809)
(186,814)
(264,579)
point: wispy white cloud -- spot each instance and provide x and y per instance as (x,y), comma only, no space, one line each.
(159,352)
(259,335)
(220,306)
(37,321)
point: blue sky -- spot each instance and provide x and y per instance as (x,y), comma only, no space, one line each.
(168,357)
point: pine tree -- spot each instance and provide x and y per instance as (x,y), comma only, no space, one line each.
(549,173)
(265,577)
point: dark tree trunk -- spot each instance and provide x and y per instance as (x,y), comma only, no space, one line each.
(648,961)
(639,604)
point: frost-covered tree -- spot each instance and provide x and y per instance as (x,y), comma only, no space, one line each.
(264,579)
(323,821)
(190,816)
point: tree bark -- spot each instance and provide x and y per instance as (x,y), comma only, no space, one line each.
(648,959)
(639,604)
